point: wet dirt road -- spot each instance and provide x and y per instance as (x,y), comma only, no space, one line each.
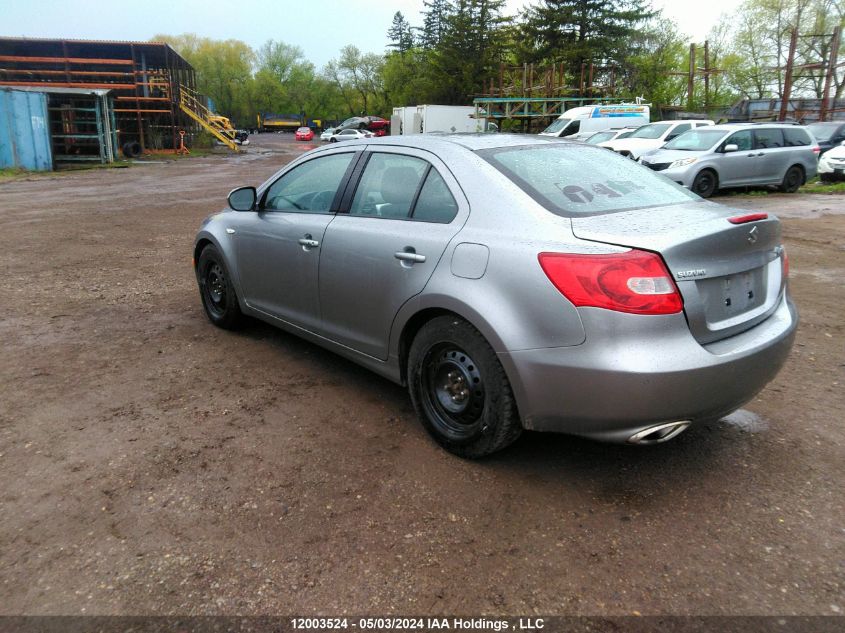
(151,463)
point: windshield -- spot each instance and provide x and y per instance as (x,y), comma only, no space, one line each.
(557,126)
(696,140)
(600,137)
(821,132)
(655,130)
(303,129)
(571,179)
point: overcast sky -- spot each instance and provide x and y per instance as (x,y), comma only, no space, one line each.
(319,27)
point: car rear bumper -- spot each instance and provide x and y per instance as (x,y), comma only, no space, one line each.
(634,372)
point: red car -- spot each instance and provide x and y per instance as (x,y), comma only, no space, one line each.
(304,134)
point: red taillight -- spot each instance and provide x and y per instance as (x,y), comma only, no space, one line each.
(751,217)
(636,282)
(817,150)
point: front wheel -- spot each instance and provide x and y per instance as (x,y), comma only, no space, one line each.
(459,389)
(216,290)
(792,180)
(705,184)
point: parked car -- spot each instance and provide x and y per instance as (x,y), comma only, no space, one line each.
(832,164)
(327,133)
(349,135)
(829,134)
(510,282)
(734,155)
(610,135)
(652,136)
(304,134)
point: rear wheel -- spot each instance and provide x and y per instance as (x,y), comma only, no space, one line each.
(793,179)
(216,290)
(706,183)
(333,140)
(459,389)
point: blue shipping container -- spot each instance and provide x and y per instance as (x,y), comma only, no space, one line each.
(24,130)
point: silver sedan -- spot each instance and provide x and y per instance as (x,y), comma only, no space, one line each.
(511,283)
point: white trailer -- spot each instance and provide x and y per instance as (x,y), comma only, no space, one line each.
(454,119)
(402,120)
(424,119)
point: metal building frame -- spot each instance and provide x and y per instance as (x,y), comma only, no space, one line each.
(144,78)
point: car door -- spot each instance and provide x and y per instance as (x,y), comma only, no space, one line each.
(278,248)
(739,167)
(383,248)
(772,154)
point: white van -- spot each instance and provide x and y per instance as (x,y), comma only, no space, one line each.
(584,121)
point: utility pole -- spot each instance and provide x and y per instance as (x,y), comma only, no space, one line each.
(691,80)
(787,80)
(706,76)
(831,68)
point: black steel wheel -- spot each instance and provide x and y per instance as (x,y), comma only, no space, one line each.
(705,184)
(459,389)
(793,179)
(453,391)
(216,289)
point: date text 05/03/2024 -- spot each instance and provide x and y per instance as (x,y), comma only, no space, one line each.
(416,624)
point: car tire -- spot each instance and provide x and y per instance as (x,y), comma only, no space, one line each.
(217,291)
(826,177)
(459,389)
(332,140)
(706,183)
(793,179)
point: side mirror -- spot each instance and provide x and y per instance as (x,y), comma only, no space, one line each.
(242,199)
(731,147)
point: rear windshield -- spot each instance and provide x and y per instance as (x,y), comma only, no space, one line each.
(654,130)
(696,140)
(575,179)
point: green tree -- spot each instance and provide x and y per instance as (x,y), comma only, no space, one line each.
(399,34)
(659,50)
(584,31)
(470,50)
(435,14)
(223,69)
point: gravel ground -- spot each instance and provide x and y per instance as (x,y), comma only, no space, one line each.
(152,464)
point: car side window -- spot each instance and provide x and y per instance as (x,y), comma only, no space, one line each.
(388,186)
(795,137)
(683,127)
(435,202)
(741,139)
(768,138)
(310,187)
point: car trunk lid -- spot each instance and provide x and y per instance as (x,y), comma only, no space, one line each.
(729,274)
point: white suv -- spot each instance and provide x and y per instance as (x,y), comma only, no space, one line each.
(652,136)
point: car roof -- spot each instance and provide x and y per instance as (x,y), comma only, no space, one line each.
(474,142)
(746,126)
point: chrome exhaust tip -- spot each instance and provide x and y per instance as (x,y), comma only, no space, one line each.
(659,433)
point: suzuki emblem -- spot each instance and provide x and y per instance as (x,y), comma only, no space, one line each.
(752,235)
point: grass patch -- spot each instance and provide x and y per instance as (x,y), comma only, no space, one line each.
(817,186)
(10,173)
